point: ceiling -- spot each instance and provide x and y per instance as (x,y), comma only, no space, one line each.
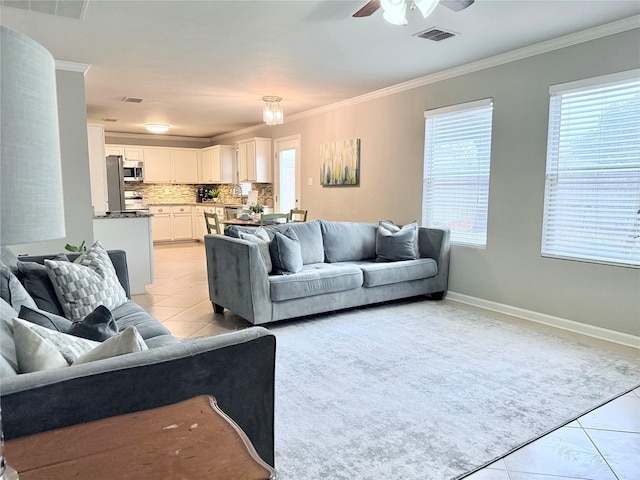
(203,66)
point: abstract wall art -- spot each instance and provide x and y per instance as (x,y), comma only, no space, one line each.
(340,163)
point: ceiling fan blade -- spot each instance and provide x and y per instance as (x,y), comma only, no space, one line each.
(456,5)
(368,9)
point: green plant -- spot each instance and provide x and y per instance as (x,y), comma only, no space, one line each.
(72,248)
(214,193)
(256,209)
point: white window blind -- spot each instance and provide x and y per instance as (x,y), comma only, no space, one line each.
(592,190)
(457,157)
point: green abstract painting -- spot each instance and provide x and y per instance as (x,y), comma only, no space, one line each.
(340,163)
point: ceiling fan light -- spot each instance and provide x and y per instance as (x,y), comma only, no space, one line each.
(395,11)
(426,7)
(156,128)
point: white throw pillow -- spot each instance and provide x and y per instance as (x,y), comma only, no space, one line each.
(127,341)
(88,282)
(38,348)
(261,238)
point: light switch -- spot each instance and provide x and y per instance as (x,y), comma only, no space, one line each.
(310,181)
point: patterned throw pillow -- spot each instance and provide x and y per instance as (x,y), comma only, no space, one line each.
(88,282)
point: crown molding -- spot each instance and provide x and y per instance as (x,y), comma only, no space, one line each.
(72,66)
(576,38)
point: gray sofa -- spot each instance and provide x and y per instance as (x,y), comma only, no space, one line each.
(340,270)
(236,368)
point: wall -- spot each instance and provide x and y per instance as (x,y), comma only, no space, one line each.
(75,166)
(510,270)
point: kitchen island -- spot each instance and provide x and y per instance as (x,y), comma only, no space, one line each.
(132,233)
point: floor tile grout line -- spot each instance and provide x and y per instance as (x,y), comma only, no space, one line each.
(600,452)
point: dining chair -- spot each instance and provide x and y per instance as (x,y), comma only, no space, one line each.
(273,218)
(296,215)
(212,223)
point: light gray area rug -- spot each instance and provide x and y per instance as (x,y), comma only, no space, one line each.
(426,390)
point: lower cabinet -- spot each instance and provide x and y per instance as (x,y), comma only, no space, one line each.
(171,222)
(199,225)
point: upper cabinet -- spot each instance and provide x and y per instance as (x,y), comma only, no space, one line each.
(170,165)
(127,152)
(215,164)
(255,160)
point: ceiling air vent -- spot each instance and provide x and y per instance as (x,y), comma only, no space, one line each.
(435,34)
(109,119)
(131,100)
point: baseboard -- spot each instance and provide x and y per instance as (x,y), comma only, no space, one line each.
(570,325)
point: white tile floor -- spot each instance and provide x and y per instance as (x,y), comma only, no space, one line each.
(601,445)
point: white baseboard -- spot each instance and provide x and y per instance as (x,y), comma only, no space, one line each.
(570,325)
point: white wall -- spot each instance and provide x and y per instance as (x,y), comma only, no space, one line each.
(510,270)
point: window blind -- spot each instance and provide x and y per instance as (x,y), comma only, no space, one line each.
(592,188)
(457,158)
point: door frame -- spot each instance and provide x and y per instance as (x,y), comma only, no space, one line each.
(286,143)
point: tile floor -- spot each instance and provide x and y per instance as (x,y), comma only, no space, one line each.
(601,445)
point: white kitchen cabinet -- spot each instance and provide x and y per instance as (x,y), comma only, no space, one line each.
(255,160)
(127,152)
(97,168)
(215,164)
(170,165)
(199,225)
(172,222)
(113,150)
(161,223)
(181,222)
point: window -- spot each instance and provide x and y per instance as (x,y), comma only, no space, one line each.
(592,190)
(457,154)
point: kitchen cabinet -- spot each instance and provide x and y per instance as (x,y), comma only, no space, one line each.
(172,222)
(255,160)
(97,168)
(128,153)
(199,226)
(170,165)
(215,164)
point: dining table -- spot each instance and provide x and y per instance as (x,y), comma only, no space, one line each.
(247,223)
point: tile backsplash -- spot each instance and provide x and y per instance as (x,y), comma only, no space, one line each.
(167,193)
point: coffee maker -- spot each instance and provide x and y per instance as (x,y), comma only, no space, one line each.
(201,194)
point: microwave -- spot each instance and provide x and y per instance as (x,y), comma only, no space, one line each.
(132,171)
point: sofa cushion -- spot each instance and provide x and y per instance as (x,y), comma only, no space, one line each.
(89,281)
(45,319)
(8,359)
(12,291)
(395,243)
(386,273)
(132,314)
(99,325)
(348,241)
(261,238)
(315,279)
(36,280)
(310,237)
(286,254)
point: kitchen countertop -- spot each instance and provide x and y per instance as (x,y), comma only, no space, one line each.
(124,215)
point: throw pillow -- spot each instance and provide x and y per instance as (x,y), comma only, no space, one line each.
(12,291)
(99,325)
(127,341)
(261,238)
(286,254)
(38,348)
(394,243)
(89,281)
(7,344)
(37,282)
(45,319)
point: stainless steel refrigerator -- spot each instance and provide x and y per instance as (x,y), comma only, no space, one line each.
(115,183)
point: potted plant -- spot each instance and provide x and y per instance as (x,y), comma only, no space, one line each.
(213,194)
(256,211)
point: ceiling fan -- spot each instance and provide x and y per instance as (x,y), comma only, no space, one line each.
(395,11)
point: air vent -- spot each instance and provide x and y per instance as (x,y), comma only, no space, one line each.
(60,8)
(435,34)
(109,119)
(131,100)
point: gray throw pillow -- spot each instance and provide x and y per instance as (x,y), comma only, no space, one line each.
(89,281)
(261,238)
(37,282)
(286,254)
(12,291)
(99,325)
(45,319)
(395,243)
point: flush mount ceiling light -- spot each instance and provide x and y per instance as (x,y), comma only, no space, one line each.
(272,113)
(157,128)
(395,11)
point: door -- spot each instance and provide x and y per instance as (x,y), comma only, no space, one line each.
(286,182)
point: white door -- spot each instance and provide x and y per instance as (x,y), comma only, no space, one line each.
(286,185)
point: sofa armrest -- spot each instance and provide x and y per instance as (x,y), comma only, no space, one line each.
(236,368)
(436,243)
(238,278)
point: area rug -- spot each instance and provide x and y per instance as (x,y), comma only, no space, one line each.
(426,390)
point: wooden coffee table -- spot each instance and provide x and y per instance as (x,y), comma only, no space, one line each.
(190,440)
